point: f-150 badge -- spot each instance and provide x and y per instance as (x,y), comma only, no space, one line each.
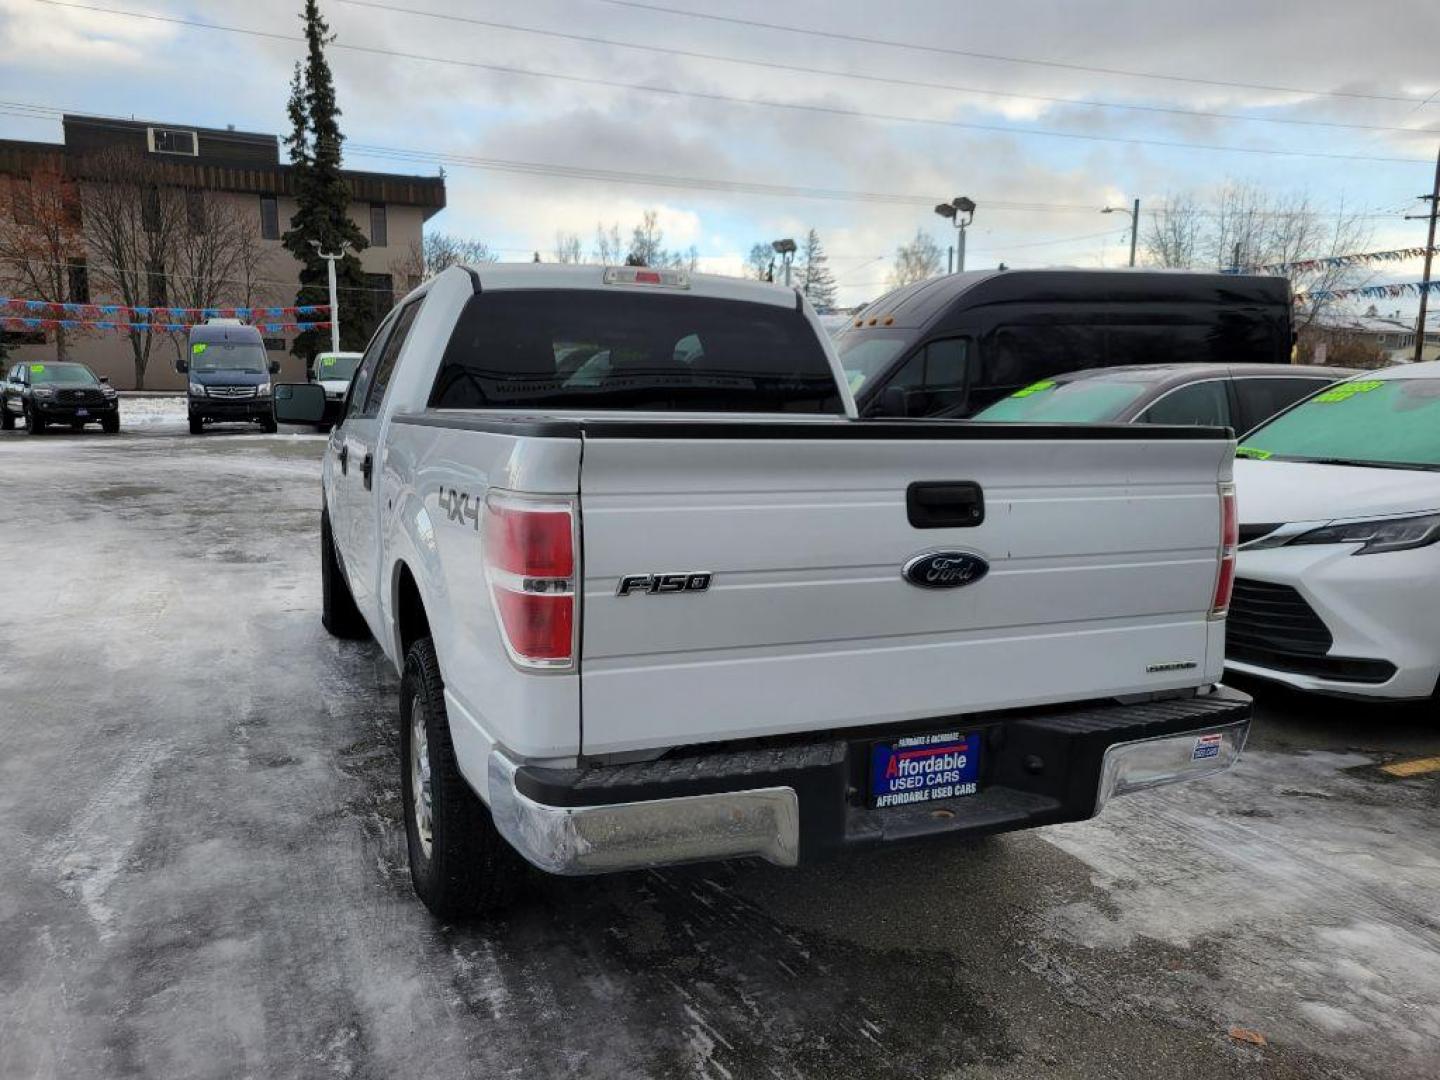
(686,581)
(945,569)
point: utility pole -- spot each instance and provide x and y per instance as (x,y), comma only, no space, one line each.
(1134,213)
(1434,198)
(330,261)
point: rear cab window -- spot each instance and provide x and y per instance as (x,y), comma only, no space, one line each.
(614,349)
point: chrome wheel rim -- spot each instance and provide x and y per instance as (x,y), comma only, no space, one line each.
(421,806)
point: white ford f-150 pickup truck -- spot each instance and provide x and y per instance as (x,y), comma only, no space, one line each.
(657,596)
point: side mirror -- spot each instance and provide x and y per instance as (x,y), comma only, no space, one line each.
(105,379)
(299,403)
(182,366)
(274,367)
(896,401)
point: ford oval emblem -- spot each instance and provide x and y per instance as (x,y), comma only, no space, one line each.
(945,569)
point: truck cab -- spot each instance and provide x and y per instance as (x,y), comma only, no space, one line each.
(229,376)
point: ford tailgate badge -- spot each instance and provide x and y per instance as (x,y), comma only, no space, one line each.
(945,569)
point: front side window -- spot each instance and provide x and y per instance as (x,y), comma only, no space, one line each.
(1205,404)
(631,349)
(930,383)
(1380,422)
(388,355)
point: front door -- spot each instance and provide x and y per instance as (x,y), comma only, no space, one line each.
(360,434)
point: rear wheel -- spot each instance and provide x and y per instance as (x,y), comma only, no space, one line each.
(338,612)
(196,424)
(460,865)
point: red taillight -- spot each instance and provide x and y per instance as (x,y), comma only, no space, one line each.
(530,564)
(1229,540)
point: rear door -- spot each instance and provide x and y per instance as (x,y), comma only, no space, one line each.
(1102,557)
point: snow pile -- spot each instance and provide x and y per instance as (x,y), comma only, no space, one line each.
(140,411)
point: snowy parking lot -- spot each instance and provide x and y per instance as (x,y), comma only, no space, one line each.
(205,863)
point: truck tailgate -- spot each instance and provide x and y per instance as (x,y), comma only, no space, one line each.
(1102,547)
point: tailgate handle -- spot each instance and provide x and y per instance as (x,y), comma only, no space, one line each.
(945,504)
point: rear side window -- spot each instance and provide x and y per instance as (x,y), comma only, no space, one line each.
(1203,403)
(620,349)
(1260,399)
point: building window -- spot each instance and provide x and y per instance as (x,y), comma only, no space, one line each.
(150,210)
(195,210)
(171,141)
(275,344)
(269,217)
(379,227)
(156,285)
(79,282)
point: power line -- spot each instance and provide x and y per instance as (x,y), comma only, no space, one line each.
(870,40)
(691,54)
(698,95)
(660,180)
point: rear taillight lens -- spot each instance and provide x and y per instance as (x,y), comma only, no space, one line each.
(1229,540)
(530,566)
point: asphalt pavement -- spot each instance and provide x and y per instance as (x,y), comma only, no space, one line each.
(204,864)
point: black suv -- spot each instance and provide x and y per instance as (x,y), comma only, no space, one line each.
(58,393)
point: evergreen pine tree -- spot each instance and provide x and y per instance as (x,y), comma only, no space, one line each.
(322,199)
(816,280)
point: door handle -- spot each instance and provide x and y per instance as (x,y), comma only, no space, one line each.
(344,456)
(367,469)
(945,504)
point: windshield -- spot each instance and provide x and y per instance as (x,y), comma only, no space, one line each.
(1366,421)
(340,367)
(66,374)
(248,356)
(868,353)
(569,349)
(1085,401)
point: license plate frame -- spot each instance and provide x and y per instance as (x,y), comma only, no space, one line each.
(921,768)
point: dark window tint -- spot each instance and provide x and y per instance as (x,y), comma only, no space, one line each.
(360,385)
(933,382)
(379,226)
(388,355)
(628,349)
(269,217)
(1204,403)
(1260,399)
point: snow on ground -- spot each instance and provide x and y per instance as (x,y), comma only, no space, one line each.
(144,411)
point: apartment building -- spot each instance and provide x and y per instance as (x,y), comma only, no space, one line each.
(243,171)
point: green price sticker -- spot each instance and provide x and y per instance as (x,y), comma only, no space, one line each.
(327,361)
(198,347)
(1251,452)
(1035,388)
(1345,391)
(37,368)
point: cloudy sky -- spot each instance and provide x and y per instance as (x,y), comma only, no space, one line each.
(851,116)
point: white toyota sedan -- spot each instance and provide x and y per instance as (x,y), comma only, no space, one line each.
(1338,577)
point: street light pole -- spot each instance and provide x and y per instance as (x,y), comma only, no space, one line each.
(330,261)
(1134,224)
(953,210)
(786,250)
(1434,198)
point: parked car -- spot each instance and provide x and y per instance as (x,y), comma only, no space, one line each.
(777,619)
(1237,396)
(58,393)
(953,345)
(1339,570)
(333,371)
(229,376)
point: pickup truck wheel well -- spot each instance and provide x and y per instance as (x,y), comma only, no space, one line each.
(409,611)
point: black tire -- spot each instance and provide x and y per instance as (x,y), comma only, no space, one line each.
(7,418)
(269,425)
(338,612)
(110,425)
(33,423)
(468,868)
